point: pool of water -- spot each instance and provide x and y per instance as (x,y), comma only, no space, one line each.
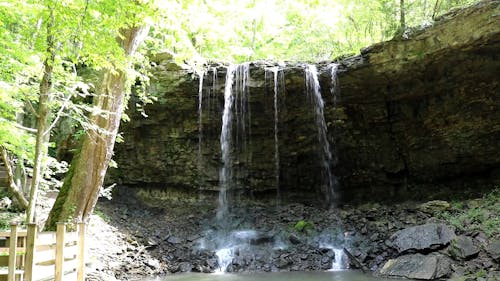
(347,275)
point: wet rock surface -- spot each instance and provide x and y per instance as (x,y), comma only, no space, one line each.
(172,236)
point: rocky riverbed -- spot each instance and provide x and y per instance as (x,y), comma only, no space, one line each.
(412,240)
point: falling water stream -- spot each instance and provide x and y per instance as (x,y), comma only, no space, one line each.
(200,122)
(275,70)
(314,94)
(225,174)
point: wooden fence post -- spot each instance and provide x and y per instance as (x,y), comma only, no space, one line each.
(12,252)
(30,252)
(60,241)
(81,252)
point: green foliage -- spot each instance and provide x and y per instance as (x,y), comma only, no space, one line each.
(305,30)
(303,226)
(6,218)
(476,215)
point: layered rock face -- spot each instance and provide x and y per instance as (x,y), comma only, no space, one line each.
(405,114)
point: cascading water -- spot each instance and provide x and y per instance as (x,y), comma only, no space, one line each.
(338,262)
(200,122)
(228,239)
(225,174)
(314,93)
(236,98)
(275,71)
(334,90)
(334,68)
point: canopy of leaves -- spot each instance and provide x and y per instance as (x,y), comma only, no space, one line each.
(84,33)
(308,30)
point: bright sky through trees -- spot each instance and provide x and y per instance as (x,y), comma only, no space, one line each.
(308,30)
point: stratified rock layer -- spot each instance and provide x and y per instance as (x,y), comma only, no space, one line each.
(410,113)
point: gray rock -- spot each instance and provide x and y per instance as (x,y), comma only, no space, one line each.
(174,240)
(462,248)
(422,237)
(417,266)
(493,249)
(153,263)
(294,239)
(185,267)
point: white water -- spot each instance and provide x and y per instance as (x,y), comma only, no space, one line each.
(335,91)
(235,99)
(314,93)
(338,261)
(200,119)
(275,70)
(243,116)
(334,67)
(224,258)
(225,173)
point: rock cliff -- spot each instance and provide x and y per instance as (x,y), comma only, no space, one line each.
(406,114)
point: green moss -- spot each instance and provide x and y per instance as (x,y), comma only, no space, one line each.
(303,226)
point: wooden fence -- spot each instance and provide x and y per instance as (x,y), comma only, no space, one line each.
(29,255)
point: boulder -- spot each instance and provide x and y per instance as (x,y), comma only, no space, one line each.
(423,238)
(462,248)
(493,249)
(417,266)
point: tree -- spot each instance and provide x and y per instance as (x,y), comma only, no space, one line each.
(43,43)
(43,115)
(79,194)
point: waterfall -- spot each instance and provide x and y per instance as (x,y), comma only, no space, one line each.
(200,125)
(211,93)
(225,174)
(334,90)
(235,99)
(338,262)
(275,70)
(224,258)
(334,67)
(314,94)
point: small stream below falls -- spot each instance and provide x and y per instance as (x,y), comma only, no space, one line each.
(347,275)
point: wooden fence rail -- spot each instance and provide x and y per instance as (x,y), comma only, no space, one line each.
(38,256)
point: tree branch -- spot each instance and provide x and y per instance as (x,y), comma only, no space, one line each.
(19,126)
(59,114)
(12,187)
(32,109)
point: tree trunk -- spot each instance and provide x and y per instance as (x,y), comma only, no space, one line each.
(42,119)
(78,196)
(12,187)
(402,20)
